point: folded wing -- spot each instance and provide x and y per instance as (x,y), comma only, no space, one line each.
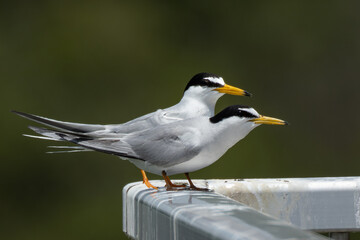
(166,145)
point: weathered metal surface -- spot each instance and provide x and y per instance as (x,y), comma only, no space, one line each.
(320,204)
(151,214)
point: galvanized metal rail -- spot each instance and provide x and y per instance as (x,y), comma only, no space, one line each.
(245,209)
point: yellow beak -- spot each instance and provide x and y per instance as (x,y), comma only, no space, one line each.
(232,90)
(268,120)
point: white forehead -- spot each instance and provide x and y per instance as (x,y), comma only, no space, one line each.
(250,110)
(218,80)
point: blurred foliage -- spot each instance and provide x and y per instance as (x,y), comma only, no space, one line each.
(111,61)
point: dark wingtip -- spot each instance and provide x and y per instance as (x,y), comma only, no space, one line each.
(286,123)
(247,94)
(17,112)
(25,115)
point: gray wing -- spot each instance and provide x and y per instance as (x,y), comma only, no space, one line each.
(166,145)
(147,121)
(98,130)
(78,128)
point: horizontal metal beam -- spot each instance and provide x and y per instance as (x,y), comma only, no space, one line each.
(319,204)
(151,214)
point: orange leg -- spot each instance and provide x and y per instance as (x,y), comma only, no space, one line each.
(169,185)
(192,186)
(146,180)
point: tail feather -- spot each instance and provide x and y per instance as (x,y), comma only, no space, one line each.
(48,134)
(113,146)
(71,151)
(68,126)
(41,137)
(69,147)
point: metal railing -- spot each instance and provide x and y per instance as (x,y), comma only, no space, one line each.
(245,209)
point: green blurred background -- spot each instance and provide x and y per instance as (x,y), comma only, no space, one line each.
(112,61)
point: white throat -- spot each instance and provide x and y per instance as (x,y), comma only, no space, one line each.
(200,101)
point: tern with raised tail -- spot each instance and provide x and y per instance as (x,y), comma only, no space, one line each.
(179,147)
(199,99)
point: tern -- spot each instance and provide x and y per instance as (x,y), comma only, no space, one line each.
(199,99)
(179,147)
